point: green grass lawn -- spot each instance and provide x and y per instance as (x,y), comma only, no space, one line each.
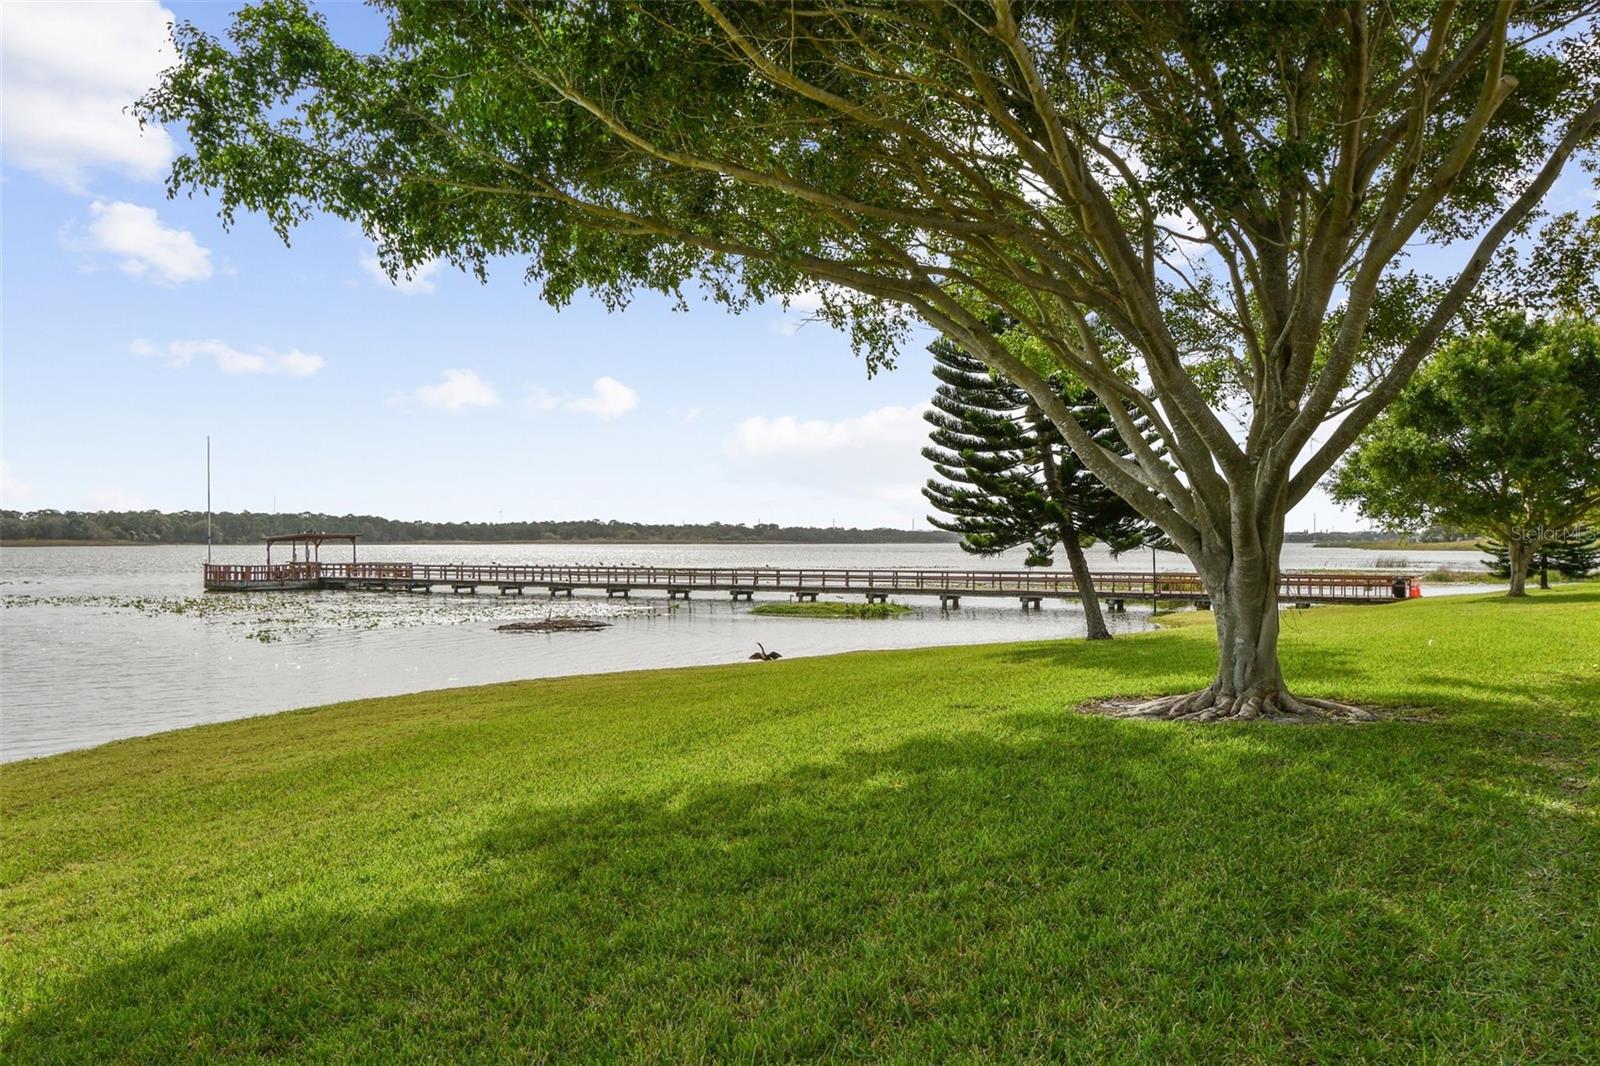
(912,855)
(831,609)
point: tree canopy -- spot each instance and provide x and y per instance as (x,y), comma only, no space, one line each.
(1499,434)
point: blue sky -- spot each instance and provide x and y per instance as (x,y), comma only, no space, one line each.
(133,326)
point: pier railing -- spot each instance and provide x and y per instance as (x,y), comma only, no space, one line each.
(1317,587)
(218,574)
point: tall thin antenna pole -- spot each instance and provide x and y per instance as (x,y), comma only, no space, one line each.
(208,499)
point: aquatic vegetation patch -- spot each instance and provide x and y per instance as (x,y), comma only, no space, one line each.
(270,617)
(831,609)
(555,625)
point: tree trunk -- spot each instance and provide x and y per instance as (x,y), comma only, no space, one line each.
(1517,560)
(1244,597)
(1094,621)
(1241,575)
(1544,571)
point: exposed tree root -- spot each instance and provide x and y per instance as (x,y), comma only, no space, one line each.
(1214,704)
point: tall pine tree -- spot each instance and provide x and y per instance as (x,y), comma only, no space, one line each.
(1010,480)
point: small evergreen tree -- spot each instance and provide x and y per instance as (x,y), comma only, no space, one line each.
(1573,553)
(1010,480)
(1576,554)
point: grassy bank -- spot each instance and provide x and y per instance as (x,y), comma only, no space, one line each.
(830,609)
(911,855)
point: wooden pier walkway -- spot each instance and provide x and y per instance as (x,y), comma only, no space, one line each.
(949,586)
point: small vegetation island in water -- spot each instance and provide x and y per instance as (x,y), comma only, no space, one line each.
(830,609)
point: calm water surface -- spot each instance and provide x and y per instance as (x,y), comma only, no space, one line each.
(102,643)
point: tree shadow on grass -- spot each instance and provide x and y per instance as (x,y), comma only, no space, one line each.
(1161,663)
(1169,663)
(1077,888)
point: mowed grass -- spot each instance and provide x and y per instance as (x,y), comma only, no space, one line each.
(910,856)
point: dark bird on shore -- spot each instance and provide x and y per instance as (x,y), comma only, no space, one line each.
(764,655)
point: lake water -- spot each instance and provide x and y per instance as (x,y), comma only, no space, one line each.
(102,643)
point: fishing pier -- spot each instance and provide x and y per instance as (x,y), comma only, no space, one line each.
(305,571)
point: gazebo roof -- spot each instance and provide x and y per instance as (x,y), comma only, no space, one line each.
(311,538)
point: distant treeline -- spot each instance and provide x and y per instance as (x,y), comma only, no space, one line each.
(1431,535)
(247,527)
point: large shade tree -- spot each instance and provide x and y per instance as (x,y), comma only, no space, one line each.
(1499,434)
(1222,192)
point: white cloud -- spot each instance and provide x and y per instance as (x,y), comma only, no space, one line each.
(146,247)
(808,302)
(457,390)
(70,72)
(542,399)
(11,486)
(874,456)
(230,360)
(608,398)
(887,427)
(300,364)
(418,281)
(803,308)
